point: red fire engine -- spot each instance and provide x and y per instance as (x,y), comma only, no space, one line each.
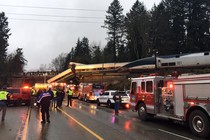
(19,95)
(184,98)
(90,91)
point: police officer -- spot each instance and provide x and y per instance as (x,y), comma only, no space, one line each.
(44,100)
(52,94)
(4,96)
(117,98)
(69,97)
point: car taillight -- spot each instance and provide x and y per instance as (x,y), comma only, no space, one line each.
(127,106)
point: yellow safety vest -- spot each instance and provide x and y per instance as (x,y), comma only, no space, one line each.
(3,95)
(33,92)
(54,93)
(70,92)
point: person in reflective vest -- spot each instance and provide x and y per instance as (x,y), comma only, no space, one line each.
(4,95)
(69,97)
(33,97)
(54,100)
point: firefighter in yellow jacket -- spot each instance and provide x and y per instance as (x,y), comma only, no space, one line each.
(69,97)
(4,95)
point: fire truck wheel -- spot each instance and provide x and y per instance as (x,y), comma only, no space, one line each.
(142,112)
(199,124)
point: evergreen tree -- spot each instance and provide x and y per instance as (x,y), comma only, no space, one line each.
(82,51)
(137,27)
(198,25)
(16,62)
(4,36)
(96,55)
(114,23)
(177,16)
(160,30)
(69,58)
(107,53)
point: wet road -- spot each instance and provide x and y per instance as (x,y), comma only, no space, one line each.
(87,122)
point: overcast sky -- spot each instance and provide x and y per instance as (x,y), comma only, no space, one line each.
(47,28)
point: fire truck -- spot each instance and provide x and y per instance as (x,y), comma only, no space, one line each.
(90,91)
(184,98)
(19,95)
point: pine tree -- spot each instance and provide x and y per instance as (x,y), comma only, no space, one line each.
(114,23)
(198,25)
(96,55)
(137,27)
(4,36)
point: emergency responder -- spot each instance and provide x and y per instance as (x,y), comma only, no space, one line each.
(62,96)
(44,100)
(117,98)
(59,97)
(54,100)
(33,97)
(39,92)
(51,93)
(69,97)
(4,95)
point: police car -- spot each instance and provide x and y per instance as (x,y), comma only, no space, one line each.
(107,98)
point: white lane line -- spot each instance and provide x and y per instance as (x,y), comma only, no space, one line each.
(175,134)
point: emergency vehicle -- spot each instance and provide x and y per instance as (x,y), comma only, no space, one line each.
(183,98)
(19,95)
(90,91)
(75,89)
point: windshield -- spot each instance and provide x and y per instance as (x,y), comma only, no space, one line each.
(14,91)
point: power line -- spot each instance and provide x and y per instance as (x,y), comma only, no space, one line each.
(54,8)
(55,20)
(54,15)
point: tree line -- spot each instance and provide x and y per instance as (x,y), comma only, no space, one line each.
(171,27)
(11,64)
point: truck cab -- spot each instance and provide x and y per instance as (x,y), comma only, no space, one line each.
(19,95)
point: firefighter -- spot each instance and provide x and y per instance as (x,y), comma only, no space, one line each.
(117,98)
(69,97)
(54,100)
(44,100)
(33,97)
(4,97)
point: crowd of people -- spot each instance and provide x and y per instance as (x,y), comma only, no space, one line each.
(46,99)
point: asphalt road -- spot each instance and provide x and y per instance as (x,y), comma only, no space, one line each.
(86,121)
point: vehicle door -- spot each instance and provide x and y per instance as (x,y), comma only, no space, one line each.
(111,95)
(14,94)
(104,97)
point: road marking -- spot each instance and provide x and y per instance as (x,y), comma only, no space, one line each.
(175,134)
(83,126)
(22,132)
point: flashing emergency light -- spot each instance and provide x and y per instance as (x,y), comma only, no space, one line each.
(26,87)
(170,85)
(192,103)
